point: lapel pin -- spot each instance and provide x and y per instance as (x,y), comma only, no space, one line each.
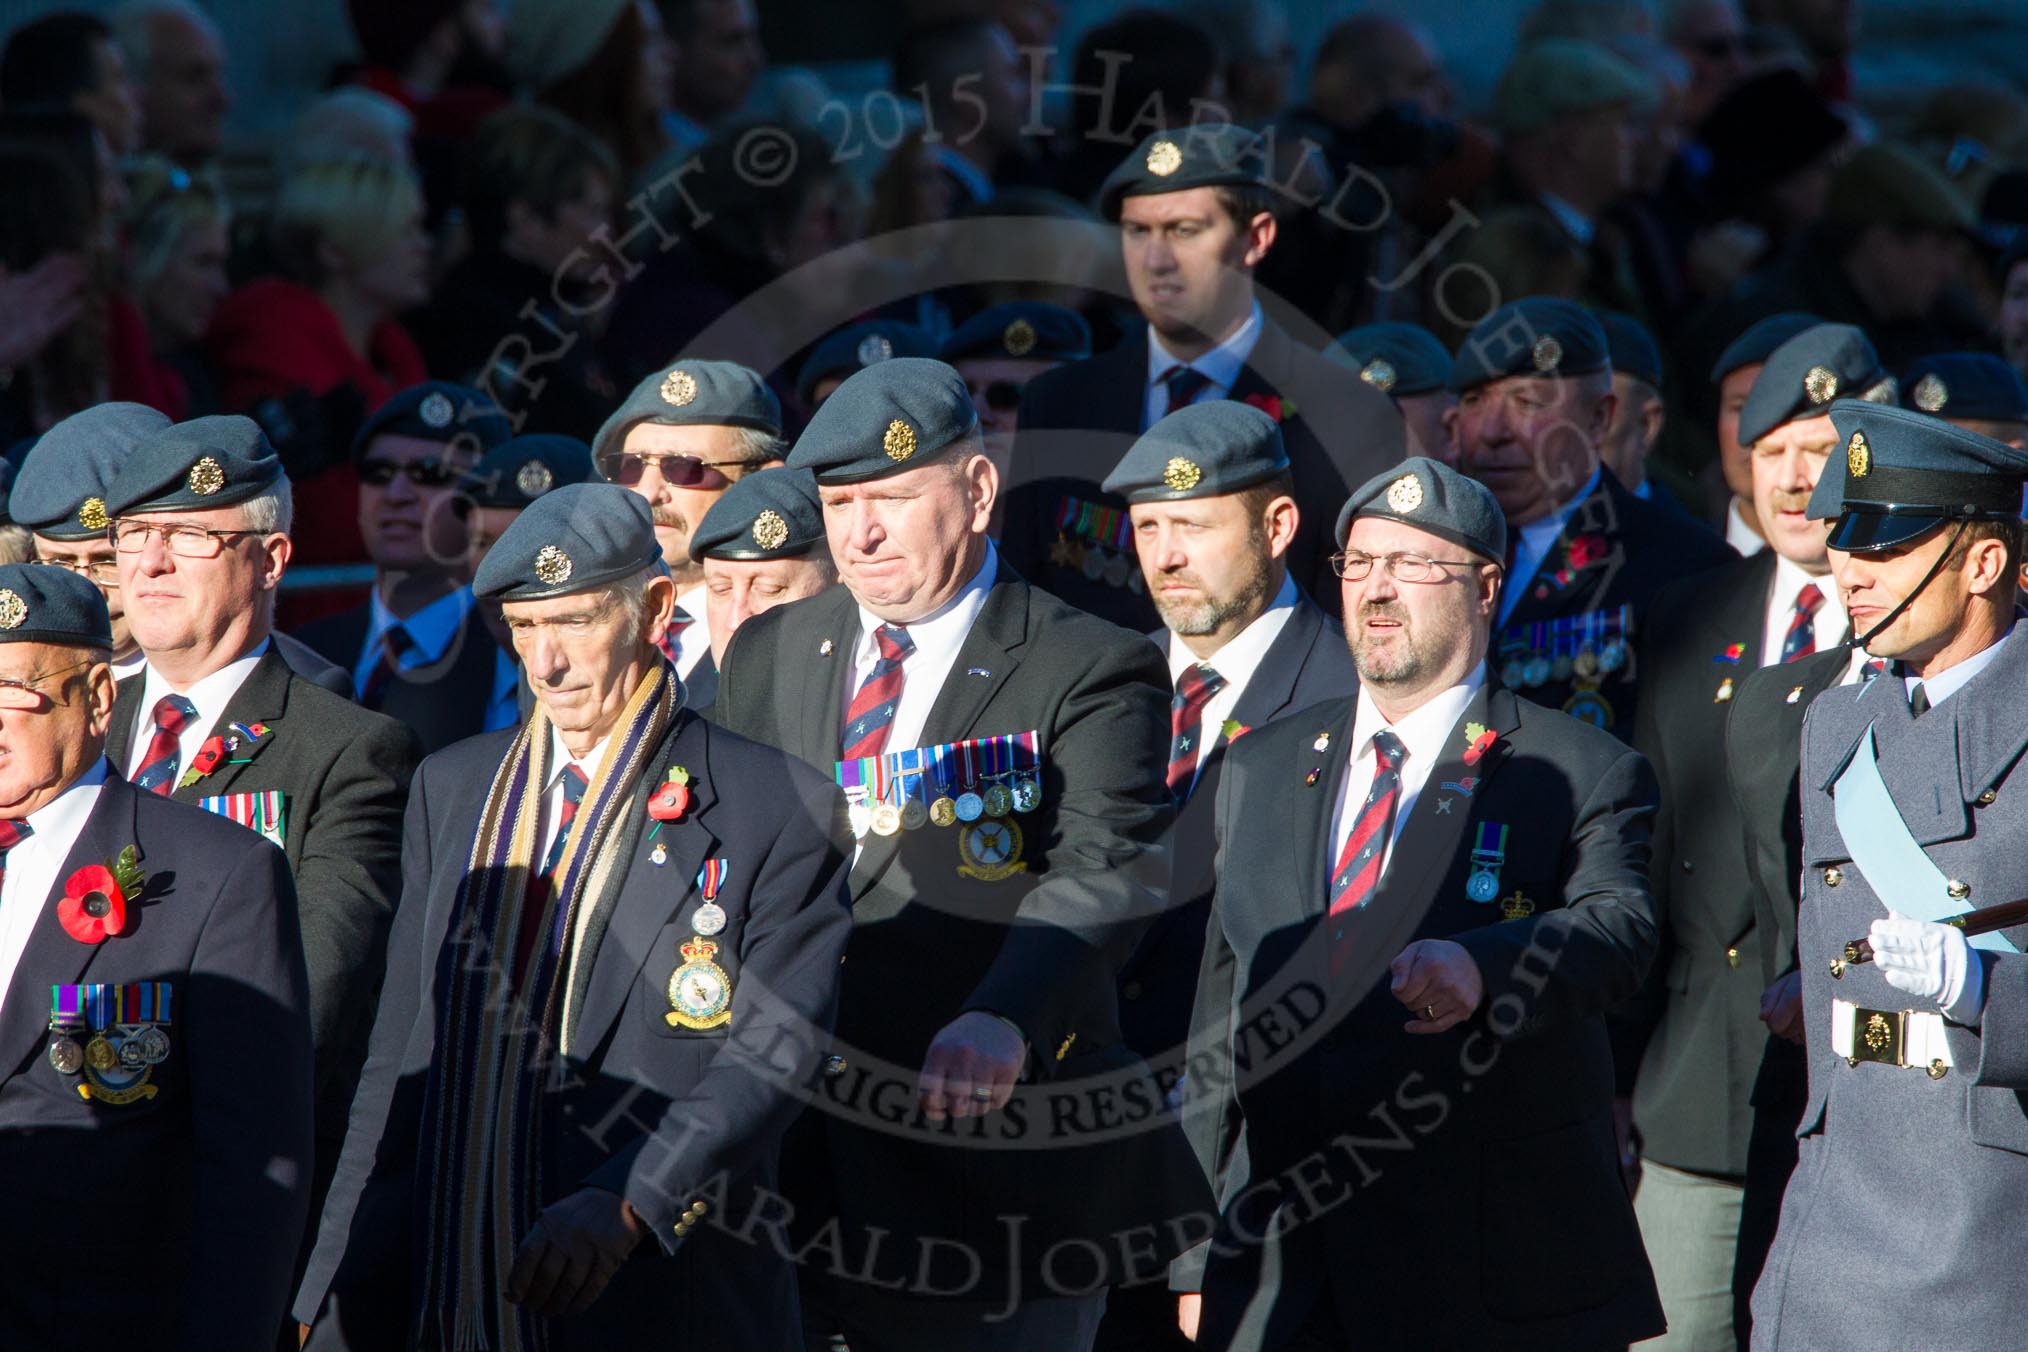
(1795,695)
(1724,691)
(660,854)
(824,648)
(1323,742)
(1310,780)
(1444,806)
(977,671)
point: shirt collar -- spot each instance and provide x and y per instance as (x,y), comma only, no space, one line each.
(1546,528)
(1944,684)
(1574,222)
(1221,365)
(209,693)
(1738,533)
(1423,730)
(430,629)
(1241,656)
(560,758)
(952,620)
(62,817)
(1790,578)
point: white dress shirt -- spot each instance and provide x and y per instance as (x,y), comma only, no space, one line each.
(1948,682)
(1742,537)
(560,760)
(32,868)
(1538,537)
(1425,736)
(1827,625)
(430,631)
(1236,662)
(694,643)
(123,667)
(210,694)
(937,640)
(1221,367)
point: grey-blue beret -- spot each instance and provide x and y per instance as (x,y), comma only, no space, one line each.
(196,465)
(1202,450)
(773,514)
(1757,344)
(1030,330)
(694,394)
(437,410)
(1803,376)
(517,472)
(40,604)
(1201,155)
(1631,348)
(889,418)
(61,490)
(1397,359)
(1533,336)
(857,346)
(1431,496)
(570,540)
(1966,385)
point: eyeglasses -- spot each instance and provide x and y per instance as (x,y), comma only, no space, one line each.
(678,471)
(185,542)
(98,570)
(428,472)
(1004,396)
(1356,567)
(27,692)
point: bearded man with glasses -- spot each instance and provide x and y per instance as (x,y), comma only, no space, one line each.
(685,435)
(417,650)
(200,533)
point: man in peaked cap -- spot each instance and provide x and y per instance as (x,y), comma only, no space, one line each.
(854,348)
(761,545)
(1000,350)
(1565,110)
(1913,1143)
(1973,390)
(680,440)
(1406,363)
(650,959)
(1534,400)
(200,525)
(156,1090)
(1006,927)
(1208,493)
(415,650)
(1425,868)
(60,496)
(1692,1049)
(1196,218)
(1730,378)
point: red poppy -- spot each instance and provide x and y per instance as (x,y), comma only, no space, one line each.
(1478,748)
(93,908)
(1585,550)
(670,802)
(1269,404)
(208,756)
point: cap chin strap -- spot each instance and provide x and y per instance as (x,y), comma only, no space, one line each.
(1909,599)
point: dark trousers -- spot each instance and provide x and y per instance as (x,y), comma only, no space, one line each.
(1779,1094)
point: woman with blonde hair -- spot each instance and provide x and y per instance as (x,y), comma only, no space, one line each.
(176,230)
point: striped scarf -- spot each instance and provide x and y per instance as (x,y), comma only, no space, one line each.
(499,1030)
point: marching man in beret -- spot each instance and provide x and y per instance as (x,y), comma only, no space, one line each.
(761,545)
(155,1062)
(613,967)
(1451,883)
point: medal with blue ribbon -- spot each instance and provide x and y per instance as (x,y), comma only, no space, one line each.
(1487,856)
(914,805)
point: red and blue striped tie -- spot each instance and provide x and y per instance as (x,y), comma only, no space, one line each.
(165,755)
(679,620)
(1801,640)
(872,711)
(1358,870)
(12,833)
(1194,689)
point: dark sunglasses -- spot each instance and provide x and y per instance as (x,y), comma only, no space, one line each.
(1004,396)
(428,472)
(678,471)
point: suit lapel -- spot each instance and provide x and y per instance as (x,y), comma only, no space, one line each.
(1310,826)
(620,933)
(1273,683)
(126,708)
(1122,385)
(826,671)
(51,956)
(263,697)
(1560,586)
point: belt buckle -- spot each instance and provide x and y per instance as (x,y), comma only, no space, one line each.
(1879,1036)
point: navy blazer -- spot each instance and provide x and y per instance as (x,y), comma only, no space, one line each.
(169,1221)
(666,1117)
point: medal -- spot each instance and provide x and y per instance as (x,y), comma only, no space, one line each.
(709,920)
(660,854)
(99,1054)
(914,816)
(943,811)
(1094,567)
(886,819)
(1535,671)
(66,1017)
(1511,674)
(1027,794)
(997,801)
(990,850)
(1612,657)
(970,806)
(1488,855)
(710,917)
(914,812)
(1585,664)
(1483,886)
(65,1054)
(1116,571)
(1560,667)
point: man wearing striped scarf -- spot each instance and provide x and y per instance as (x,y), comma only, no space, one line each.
(613,965)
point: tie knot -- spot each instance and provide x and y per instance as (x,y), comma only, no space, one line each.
(12,833)
(1388,750)
(894,642)
(1809,600)
(1199,683)
(1184,383)
(680,619)
(172,712)
(574,783)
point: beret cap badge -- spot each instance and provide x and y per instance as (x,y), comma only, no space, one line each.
(679,387)
(770,531)
(207,476)
(1858,456)
(552,566)
(1404,495)
(898,441)
(1820,383)
(1019,338)
(1164,159)
(1380,374)
(13,610)
(533,478)
(91,514)
(436,410)
(1180,475)
(1547,353)
(874,347)
(1931,393)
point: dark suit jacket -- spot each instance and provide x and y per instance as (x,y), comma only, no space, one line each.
(1348,1153)
(1306,664)
(1695,1033)
(344,774)
(700,687)
(1639,548)
(1079,419)
(445,701)
(1040,948)
(658,1114)
(308,663)
(172,1219)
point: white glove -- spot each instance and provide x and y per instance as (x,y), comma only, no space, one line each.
(1931,962)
